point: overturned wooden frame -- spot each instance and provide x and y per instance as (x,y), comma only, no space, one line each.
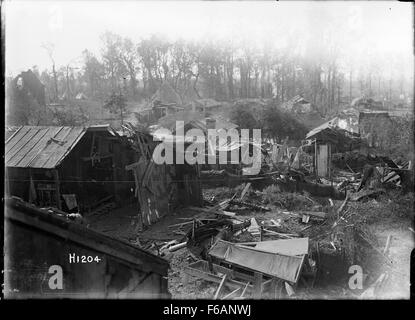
(253,285)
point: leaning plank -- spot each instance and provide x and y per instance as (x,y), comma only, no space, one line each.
(220,287)
(286,235)
(244,191)
(230,294)
(387,246)
(343,205)
(257,285)
(243,292)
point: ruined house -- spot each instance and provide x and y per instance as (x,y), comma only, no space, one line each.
(297,104)
(327,139)
(71,168)
(165,101)
(375,127)
(161,188)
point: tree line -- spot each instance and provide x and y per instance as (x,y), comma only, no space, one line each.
(222,70)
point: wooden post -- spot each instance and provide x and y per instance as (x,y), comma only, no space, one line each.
(243,292)
(257,285)
(329,162)
(31,200)
(315,158)
(275,288)
(114,177)
(57,186)
(7,181)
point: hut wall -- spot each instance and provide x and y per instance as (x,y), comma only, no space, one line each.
(33,245)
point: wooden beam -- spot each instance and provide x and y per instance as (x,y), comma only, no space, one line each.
(231,294)
(257,285)
(58,192)
(243,292)
(220,287)
(244,191)
(275,286)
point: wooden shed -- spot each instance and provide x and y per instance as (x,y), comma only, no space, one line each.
(71,168)
(47,256)
(327,139)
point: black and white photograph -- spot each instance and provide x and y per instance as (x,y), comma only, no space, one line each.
(208,150)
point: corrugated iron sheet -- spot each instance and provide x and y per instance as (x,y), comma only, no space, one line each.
(272,264)
(40,146)
(289,247)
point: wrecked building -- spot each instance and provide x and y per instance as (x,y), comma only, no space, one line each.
(46,252)
(297,104)
(165,101)
(375,127)
(327,139)
(160,188)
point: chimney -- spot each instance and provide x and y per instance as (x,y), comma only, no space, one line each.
(210,123)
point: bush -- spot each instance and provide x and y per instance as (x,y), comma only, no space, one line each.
(279,124)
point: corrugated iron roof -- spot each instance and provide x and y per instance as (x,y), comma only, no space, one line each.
(272,264)
(327,125)
(41,146)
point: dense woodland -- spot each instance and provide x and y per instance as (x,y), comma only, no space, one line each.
(222,70)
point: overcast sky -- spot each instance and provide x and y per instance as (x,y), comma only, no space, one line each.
(72,26)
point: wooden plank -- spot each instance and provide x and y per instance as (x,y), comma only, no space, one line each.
(12,138)
(54,147)
(289,236)
(243,292)
(86,237)
(60,153)
(22,137)
(322,160)
(131,166)
(38,148)
(220,287)
(257,285)
(58,193)
(275,288)
(231,294)
(387,246)
(23,148)
(177,246)
(244,191)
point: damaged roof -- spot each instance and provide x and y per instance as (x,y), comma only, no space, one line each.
(272,264)
(43,146)
(330,131)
